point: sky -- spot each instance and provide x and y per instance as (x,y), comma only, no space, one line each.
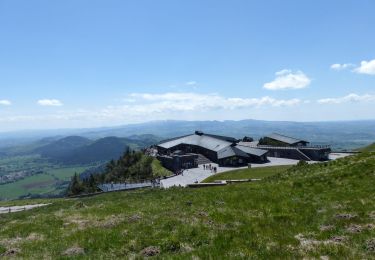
(78,63)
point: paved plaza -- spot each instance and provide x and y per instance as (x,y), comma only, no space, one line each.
(191,176)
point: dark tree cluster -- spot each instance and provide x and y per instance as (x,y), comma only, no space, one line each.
(130,167)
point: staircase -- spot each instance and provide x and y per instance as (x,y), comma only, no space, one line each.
(304,156)
(203,159)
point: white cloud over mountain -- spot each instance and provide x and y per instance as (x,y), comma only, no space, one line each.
(287,79)
(348,99)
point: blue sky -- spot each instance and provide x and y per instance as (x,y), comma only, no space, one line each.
(78,63)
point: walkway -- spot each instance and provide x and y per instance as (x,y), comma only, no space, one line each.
(20,208)
(190,176)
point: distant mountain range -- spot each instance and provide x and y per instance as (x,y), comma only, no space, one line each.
(340,134)
(74,150)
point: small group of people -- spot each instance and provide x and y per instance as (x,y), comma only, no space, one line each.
(210,167)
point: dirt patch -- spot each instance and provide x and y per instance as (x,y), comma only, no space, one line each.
(370,245)
(134,218)
(77,220)
(10,241)
(354,228)
(11,252)
(338,239)
(74,251)
(110,222)
(345,216)
(35,237)
(79,205)
(150,251)
(370,226)
(202,214)
(326,227)
(309,244)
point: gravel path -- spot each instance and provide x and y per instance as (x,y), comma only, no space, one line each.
(12,209)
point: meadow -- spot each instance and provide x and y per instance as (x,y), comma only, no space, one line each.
(324,210)
(49,181)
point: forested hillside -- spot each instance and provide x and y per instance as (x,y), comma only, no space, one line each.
(132,166)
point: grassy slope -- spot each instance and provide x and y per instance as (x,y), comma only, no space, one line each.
(369,148)
(158,169)
(246,220)
(261,172)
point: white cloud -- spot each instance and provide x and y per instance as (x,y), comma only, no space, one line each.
(348,98)
(50,102)
(366,67)
(343,66)
(175,101)
(5,102)
(287,79)
(191,83)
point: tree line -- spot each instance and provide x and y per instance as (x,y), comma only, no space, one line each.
(132,166)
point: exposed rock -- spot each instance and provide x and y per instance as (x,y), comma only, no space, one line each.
(74,251)
(150,251)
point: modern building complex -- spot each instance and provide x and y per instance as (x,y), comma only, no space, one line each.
(200,148)
(223,150)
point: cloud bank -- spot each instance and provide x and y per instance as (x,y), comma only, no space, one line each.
(351,98)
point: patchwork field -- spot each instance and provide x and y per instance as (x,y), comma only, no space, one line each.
(322,210)
(49,182)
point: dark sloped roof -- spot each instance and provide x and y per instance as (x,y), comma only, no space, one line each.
(285,139)
(225,138)
(205,141)
(251,151)
(231,151)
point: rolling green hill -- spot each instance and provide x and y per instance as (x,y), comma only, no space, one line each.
(61,147)
(75,150)
(324,210)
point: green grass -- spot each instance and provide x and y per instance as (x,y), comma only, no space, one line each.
(159,170)
(369,148)
(261,172)
(280,217)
